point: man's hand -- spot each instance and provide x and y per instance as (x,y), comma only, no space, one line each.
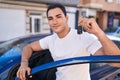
(22,71)
(26,54)
(90,25)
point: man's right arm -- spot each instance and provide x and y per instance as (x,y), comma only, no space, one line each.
(26,54)
(27,50)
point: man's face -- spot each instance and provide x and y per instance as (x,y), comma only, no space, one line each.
(57,20)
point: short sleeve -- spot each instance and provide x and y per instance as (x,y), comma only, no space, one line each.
(94,47)
(44,43)
(92,43)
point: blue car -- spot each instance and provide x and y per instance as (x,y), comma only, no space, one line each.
(42,64)
(10,57)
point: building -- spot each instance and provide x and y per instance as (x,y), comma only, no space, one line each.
(106,12)
(23,17)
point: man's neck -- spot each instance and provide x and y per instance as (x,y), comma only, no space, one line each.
(64,33)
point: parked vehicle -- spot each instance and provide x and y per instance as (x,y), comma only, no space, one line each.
(10,57)
(115,39)
(116,32)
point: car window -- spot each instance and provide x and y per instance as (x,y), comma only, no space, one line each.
(118,31)
(19,42)
(4,47)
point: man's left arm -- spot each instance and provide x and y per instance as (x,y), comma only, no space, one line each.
(108,47)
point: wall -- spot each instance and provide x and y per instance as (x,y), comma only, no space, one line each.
(110,6)
(102,19)
(12,23)
(15,18)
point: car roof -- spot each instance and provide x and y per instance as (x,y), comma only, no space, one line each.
(25,38)
(114,38)
(18,40)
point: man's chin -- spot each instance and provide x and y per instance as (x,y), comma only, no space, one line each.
(57,32)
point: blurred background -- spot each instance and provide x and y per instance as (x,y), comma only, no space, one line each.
(23,17)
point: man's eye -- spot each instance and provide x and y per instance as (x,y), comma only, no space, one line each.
(49,18)
(58,16)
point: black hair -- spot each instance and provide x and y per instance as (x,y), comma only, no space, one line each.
(56,5)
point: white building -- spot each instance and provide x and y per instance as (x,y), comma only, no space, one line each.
(18,18)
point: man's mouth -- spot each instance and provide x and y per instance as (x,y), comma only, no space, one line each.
(55,27)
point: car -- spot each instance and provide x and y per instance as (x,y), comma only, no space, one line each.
(115,32)
(42,64)
(115,39)
(10,56)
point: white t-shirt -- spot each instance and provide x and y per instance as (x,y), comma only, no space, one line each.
(72,45)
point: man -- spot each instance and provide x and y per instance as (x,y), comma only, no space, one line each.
(66,43)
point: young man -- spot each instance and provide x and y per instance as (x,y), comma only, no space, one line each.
(66,43)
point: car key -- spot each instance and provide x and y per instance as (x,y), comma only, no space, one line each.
(79,30)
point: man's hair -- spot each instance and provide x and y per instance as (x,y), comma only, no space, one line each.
(56,5)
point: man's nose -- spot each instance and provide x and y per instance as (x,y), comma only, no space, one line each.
(54,21)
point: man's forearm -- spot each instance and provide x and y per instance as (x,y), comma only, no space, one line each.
(109,47)
(26,54)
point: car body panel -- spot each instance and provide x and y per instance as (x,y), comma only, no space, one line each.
(9,59)
(76,60)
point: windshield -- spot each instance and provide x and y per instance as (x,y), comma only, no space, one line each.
(4,47)
(118,31)
(20,41)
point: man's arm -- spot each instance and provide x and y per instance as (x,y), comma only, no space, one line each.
(26,54)
(108,47)
(27,50)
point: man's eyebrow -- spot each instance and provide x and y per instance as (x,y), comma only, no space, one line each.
(58,14)
(49,17)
